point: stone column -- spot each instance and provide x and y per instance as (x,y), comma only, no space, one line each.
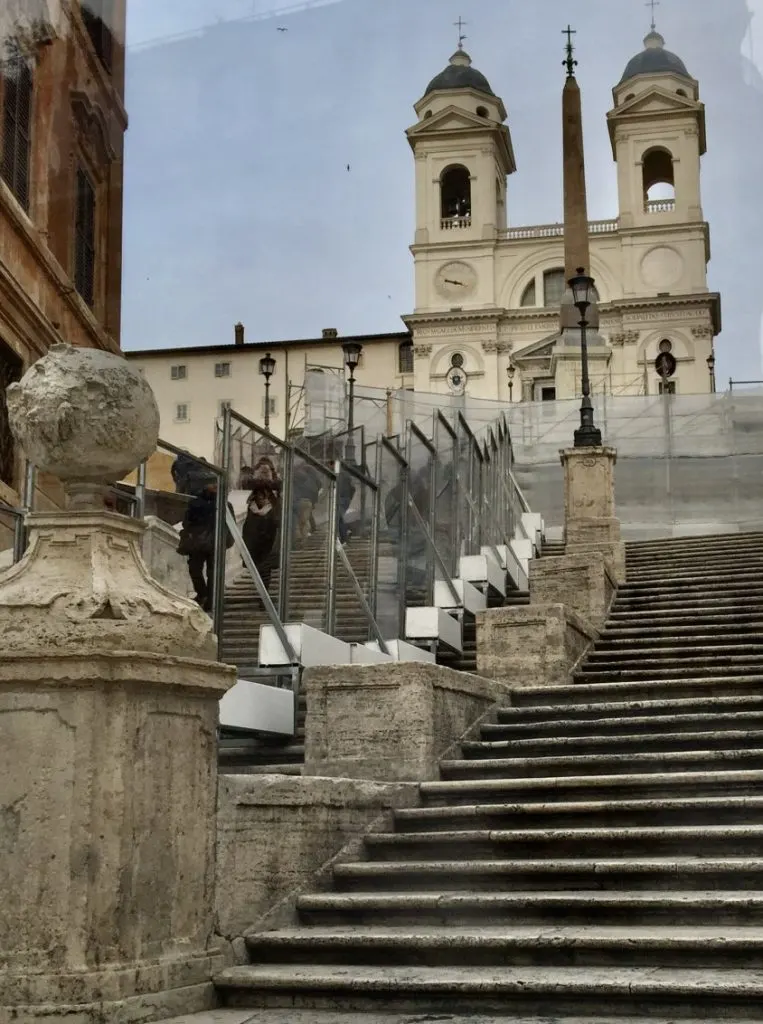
(590,523)
(109,695)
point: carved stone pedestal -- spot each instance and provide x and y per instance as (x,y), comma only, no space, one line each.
(109,698)
(589,505)
(584,582)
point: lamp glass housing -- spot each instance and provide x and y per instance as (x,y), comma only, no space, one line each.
(352,351)
(267,365)
(582,287)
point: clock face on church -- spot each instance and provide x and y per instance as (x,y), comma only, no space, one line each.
(455,280)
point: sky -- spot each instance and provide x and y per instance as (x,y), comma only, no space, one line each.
(238,203)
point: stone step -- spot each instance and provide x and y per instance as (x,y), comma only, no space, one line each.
(626,627)
(748,649)
(291,753)
(680,609)
(711,541)
(701,599)
(603,764)
(544,843)
(690,584)
(263,769)
(606,874)
(647,644)
(558,789)
(694,569)
(668,811)
(656,739)
(681,908)
(645,724)
(682,669)
(680,993)
(635,690)
(655,705)
(508,946)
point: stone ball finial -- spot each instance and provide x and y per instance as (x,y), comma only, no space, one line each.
(84,415)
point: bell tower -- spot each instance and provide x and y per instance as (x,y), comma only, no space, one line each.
(463,156)
(657,130)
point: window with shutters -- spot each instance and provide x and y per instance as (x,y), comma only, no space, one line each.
(84,239)
(178,372)
(405,357)
(17,85)
(222,369)
(181,413)
(98,16)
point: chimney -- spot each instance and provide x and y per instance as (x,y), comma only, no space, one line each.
(330,332)
(238,332)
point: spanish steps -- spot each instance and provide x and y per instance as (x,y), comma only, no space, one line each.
(594,852)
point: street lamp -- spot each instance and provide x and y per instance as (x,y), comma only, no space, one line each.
(587,435)
(711,368)
(510,371)
(267,369)
(352,352)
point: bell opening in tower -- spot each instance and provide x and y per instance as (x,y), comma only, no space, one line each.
(658,181)
(456,197)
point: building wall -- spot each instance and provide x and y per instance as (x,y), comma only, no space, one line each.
(202,392)
(77,120)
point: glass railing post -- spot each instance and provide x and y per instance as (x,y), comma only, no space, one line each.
(218,587)
(287,526)
(140,492)
(333,522)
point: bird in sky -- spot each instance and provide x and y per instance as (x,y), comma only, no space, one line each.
(348,167)
(280,28)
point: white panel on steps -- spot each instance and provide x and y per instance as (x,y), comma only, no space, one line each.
(524,553)
(532,524)
(311,646)
(433,624)
(250,705)
(401,651)
(467,596)
(482,570)
(362,654)
(511,564)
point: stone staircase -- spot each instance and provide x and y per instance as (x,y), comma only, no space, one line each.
(595,853)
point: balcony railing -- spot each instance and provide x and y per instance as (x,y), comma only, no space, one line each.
(660,205)
(455,223)
(595,227)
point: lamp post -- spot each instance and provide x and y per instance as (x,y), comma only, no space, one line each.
(352,352)
(267,369)
(711,369)
(510,371)
(587,435)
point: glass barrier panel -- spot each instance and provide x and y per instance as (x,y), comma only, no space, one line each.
(445,496)
(355,581)
(467,517)
(421,569)
(9,524)
(309,543)
(391,478)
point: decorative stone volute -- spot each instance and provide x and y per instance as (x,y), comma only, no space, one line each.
(82,587)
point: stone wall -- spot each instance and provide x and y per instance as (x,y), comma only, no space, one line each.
(275,833)
(583,582)
(539,645)
(390,722)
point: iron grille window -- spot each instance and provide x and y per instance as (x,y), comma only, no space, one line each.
(98,16)
(222,369)
(181,413)
(17,126)
(84,239)
(178,372)
(405,357)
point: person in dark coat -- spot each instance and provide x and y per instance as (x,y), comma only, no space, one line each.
(197,542)
(345,492)
(306,490)
(263,516)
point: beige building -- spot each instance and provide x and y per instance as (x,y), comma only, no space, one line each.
(487,295)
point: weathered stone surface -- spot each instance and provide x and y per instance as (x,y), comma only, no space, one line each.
(584,582)
(538,645)
(84,414)
(159,550)
(589,505)
(83,587)
(392,721)
(108,782)
(275,833)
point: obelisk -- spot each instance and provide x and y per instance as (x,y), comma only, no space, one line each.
(589,489)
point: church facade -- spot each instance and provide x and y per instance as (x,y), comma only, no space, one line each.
(488,295)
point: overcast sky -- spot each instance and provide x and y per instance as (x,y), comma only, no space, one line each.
(238,204)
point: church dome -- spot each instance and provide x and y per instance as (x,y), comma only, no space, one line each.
(459,74)
(654,59)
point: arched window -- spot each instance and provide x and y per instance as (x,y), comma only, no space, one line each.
(659,180)
(405,357)
(528,295)
(456,195)
(554,284)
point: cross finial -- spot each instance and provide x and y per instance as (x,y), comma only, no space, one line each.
(569,61)
(653,4)
(460,25)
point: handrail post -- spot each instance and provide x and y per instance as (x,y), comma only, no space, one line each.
(287,526)
(221,507)
(140,492)
(332,542)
